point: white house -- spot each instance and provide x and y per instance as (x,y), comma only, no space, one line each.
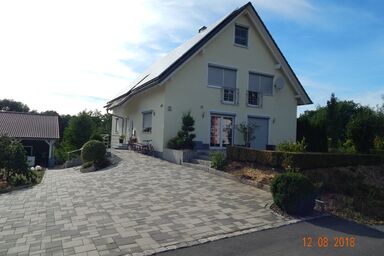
(228,73)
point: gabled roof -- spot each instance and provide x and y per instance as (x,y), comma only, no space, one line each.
(29,125)
(163,68)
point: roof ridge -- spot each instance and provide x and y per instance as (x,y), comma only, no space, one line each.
(26,113)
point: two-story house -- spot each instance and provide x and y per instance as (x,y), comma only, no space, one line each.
(228,73)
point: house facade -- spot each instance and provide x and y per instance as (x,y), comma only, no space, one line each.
(36,132)
(229,73)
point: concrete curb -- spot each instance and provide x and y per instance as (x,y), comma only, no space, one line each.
(203,240)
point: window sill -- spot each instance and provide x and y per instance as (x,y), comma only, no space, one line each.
(147,132)
(214,87)
(228,102)
(253,106)
(241,46)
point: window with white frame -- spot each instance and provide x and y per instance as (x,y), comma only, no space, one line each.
(225,78)
(241,35)
(116,125)
(147,122)
(259,85)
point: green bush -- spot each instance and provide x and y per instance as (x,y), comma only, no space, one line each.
(347,147)
(184,138)
(361,129)
(60,154)
(378,143)
(287,146)
(218,160)
(18,180)
(93,151)
(312,126)
(102,164)
(300,160)
(293,193)
(87,164)
(79,130)
(13,158)
(96,137)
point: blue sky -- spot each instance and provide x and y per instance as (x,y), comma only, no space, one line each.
(71,55)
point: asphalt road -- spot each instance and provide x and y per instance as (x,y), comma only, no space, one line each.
(288,240)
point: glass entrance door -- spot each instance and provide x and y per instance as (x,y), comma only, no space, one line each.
(221,131)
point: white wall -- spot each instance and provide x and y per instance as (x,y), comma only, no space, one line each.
(152,99)
(188,90)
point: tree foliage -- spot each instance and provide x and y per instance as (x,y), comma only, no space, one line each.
(13,158)
(79,130)
(361,129)
(12,105)
(341,126)
(184,138)
(247,131)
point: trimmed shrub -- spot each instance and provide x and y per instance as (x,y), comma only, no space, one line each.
(218,160)
(102,164)
(93,151)
(300,160)
(87,164)
(293,193)
(287,146)
(96,137)
(184,138)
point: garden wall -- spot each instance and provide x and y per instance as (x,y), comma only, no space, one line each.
(302,161)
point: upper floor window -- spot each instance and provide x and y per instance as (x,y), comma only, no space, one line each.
(221,77)
(147,122)
(226,79)
(241,35)
(259,85)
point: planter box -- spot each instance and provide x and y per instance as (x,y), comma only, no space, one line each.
(178,156)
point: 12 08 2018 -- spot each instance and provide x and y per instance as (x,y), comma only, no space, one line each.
(324,242)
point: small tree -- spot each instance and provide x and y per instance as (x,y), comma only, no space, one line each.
(361,130)
(247,132)
(184,138)
(79,130)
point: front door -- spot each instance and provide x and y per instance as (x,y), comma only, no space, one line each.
(260,132)
(221,131)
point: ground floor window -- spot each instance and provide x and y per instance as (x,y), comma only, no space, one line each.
(221,132)
(147,122)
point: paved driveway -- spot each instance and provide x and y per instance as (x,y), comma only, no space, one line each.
(143,205)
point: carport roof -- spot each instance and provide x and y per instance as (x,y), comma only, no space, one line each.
(29,125)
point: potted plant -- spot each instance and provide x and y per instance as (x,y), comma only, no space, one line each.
(180,148)
(121,138)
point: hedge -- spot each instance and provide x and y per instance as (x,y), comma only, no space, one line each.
(302,161)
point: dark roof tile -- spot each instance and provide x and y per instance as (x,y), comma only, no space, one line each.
(29,125)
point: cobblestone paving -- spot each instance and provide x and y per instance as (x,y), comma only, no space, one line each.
(143,205)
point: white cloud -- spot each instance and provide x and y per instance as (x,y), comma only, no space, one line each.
(64,55)
(370,98)
(293,9)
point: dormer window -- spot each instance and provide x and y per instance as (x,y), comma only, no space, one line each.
(241,35)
